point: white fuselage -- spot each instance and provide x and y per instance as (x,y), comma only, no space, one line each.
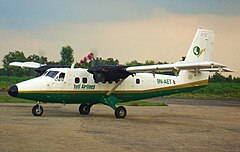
(78,86)
(137,82)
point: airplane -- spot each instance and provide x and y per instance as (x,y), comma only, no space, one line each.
(110,85)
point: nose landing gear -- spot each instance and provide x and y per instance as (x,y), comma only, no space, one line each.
(37,110)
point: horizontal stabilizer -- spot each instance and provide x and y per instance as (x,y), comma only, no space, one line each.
(33,65)
(217,70)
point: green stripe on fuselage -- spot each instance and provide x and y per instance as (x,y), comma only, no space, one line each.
(95,96)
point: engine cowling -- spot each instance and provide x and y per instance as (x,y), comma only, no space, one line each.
(108,73)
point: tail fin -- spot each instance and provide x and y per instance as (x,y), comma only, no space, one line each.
(199,51)
(201,47)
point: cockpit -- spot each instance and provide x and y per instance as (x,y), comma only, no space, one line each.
(56,75)
(51,74)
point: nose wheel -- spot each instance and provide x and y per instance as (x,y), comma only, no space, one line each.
(37,110)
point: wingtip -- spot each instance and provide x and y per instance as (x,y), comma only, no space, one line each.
(227,70)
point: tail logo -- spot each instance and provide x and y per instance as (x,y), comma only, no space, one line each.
(197,51)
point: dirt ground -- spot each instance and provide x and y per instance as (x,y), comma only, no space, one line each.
(168,128)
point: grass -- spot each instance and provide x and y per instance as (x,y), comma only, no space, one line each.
(221,90)
(7,81)
(4,98)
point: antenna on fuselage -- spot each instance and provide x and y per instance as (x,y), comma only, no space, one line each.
(72,66)
(94,53)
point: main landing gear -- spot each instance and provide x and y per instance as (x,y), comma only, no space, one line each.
(37,110)
(84,109)
(120,112)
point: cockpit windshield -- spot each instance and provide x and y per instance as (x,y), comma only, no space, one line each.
(45,73)
(52,74)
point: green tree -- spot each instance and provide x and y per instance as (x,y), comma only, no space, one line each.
(111,61)
(100,61)
(66,55)
(149,62)
(217,78)
(37,58)
(236,79)
(133,63)
(15,56)
(229,78)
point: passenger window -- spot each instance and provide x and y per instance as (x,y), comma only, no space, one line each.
(137,81)
(77,80)
(84,80)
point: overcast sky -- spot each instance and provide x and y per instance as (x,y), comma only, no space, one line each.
(160,30)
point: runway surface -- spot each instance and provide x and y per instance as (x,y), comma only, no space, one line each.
(168,128)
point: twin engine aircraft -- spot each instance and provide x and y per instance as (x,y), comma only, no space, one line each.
(111,85)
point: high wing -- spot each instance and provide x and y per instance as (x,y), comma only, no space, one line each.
(33,65)
(40,68)
(196,66)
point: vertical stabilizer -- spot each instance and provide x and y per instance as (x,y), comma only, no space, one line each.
(201,47)
(199,51)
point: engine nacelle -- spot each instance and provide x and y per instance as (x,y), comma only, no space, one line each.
(109,73)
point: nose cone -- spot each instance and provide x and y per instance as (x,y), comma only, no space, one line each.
(13,91)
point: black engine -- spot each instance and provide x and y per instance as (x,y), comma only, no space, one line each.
(109,73)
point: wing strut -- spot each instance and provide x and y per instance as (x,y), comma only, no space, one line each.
(109,99)
(115,87)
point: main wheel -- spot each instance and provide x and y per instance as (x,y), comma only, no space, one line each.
(120,112)
(37,110)
(84,109)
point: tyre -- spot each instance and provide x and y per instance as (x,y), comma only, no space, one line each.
(84,109)
(120,112)
(37,110)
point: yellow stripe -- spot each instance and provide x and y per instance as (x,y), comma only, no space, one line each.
(187,85)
